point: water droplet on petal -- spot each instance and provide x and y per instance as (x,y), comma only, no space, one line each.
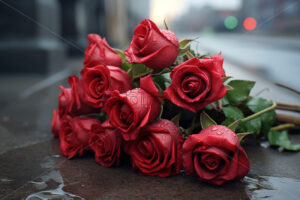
(219,133)
(214,128)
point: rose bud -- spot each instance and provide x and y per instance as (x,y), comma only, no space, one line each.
(55,123)
(101,80)
(107,145)
(131,111)
(74,135)
(196,83)
(215,155)
(158,153)
(99,52)
(73,101)
(150,46)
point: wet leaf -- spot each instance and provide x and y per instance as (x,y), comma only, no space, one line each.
(206,120)
(233,112)
(281,138)
(257,104)
(140,69)
(241,90)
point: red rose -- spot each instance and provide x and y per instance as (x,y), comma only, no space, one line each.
(215,155)
(152,47)
(55,123)
(73,101)
(74,135)
(158,153)
(99,52)
(107,145)
(101,80)
(196,83)
(131,111)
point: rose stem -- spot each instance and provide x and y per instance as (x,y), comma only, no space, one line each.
(288,119)
(282,127)
(259,113)
(284,106)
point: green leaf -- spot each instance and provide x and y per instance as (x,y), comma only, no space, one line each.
(281,138)
(257,104)
(176,119)
(241,136)
(254,125)
(183,43)
(233,112)
(206,121)
(234,125)
(241,90)
(139,70)
(225,100)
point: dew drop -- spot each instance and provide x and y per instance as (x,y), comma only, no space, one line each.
(214,128)
(219,133)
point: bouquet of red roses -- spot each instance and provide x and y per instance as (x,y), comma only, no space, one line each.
(160,102)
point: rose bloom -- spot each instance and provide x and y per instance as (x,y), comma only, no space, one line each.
(158,152)
(131,111)
(106,142)
(155,48)
(99,52)
(73,101)
(101,80)
(74,135)
(55,123)
(215,155)
(196,83)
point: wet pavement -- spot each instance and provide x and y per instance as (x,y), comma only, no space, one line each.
(31,166)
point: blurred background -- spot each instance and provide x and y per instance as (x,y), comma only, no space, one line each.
(43,41)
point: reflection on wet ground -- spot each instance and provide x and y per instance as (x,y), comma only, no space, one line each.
(272,187)
(32,168)
(39,172)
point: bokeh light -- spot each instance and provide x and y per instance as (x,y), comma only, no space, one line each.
(230,22)
(249,23)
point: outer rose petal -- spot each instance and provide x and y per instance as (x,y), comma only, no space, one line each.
(99,52)
(226,141)
(152,47)
(148,85)
(208,71)
(143,106)
(74,135)
(111,78)
(158,152)
(107,145)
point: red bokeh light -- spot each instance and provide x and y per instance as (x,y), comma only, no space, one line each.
(249,23)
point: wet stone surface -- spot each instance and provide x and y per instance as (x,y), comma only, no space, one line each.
(31,166)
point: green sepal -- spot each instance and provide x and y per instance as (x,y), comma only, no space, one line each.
(206,120)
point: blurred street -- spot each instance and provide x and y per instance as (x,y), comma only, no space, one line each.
(276,58)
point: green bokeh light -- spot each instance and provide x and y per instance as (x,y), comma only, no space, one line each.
(230,22)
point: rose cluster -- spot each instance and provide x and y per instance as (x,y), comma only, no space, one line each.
(131,122)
